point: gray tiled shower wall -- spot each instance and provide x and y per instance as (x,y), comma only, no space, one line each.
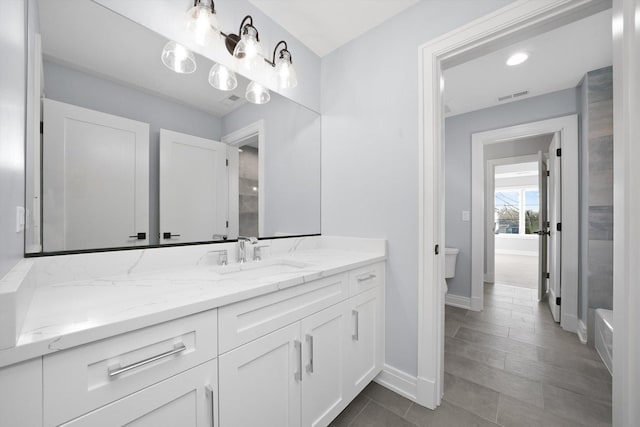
(597,193)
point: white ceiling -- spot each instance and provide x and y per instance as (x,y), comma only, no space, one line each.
(86,36)
(325,25)
(557,60)
(515,170)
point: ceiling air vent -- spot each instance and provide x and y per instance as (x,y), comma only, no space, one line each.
(230,100)
(513,96)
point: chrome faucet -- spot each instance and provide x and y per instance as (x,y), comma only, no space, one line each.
(242,251)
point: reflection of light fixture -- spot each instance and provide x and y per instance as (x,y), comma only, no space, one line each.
(222,78)
(202,21)
(285,74)
(257,94)
(178,58)
(517,59)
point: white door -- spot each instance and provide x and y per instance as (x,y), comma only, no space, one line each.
(542,226)
(188,399)
(194,188)
(95,179)
(555,219)
(323,382)
(364,350)
(260,382)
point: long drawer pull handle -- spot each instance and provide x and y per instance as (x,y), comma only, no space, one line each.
(367,277)
(178,348)
(298,346)
(310,364)
(356,336)
(213,410)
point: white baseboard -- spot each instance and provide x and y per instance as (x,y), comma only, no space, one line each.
(476,303)
(458,301)
(398,381)
(582,332)
(428,395)
(489,278)
(569,322)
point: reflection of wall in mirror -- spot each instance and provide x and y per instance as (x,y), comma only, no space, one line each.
(292,164)
(78,88)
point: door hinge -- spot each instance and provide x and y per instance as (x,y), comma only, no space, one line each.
(558,300)
(548,224)
(42,127)
(227,224)
(547,173)
(547,275)
(226,162)
(437,249)
(559,226)
(558,152)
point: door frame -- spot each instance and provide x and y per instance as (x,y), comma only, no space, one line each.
(517,21)
(236,139)
(567,126)
(489,190)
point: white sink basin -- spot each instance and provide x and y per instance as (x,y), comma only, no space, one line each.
(261,269)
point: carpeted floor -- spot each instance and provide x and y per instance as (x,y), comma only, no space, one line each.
(517,270)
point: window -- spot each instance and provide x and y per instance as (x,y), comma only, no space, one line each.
(517,211)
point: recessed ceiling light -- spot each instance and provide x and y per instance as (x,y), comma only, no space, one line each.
(517,59)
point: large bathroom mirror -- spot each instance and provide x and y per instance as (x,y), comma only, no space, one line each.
(132,153)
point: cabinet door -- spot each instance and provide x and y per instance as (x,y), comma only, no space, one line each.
(187,400)
(323,381)
(260,381)
(364,350)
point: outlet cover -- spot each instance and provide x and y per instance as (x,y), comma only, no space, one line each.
(19,219)
(466,216)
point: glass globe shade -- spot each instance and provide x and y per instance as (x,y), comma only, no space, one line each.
(202,23)
(222,78)
(248,51)
(257,94)
(286,76)
(178,58)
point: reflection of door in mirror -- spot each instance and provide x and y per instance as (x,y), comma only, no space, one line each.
(248,188)
(194,189)
(95,170)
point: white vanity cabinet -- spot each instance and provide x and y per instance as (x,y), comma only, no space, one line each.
(305,373)
(188,399)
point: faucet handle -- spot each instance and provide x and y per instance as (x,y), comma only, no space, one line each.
(257,253)
(223,258)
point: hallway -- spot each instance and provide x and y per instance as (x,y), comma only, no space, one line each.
(509,365)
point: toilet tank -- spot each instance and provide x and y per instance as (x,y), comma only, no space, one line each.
(450,257)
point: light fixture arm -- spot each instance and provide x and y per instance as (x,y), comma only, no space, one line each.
(231,40)
(275,51)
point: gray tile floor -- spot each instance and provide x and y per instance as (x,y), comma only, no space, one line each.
(509,365)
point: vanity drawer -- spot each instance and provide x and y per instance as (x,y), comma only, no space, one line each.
(365,278)
(84,378)
(247,320)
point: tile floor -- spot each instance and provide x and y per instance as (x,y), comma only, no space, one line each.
(509,365)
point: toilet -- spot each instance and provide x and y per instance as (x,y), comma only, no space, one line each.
(450,256)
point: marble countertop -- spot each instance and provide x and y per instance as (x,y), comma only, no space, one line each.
(66,315)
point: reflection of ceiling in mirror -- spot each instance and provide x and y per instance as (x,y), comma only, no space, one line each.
(86,36)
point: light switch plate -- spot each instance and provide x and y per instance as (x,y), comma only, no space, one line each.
(19,219)
(466,216)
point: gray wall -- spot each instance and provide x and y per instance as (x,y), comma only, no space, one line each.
(12,129)
(292,163)
(458,130)
(75,87)
(597,193)
(370,150)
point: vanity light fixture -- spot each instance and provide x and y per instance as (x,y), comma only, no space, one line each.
(285,74)
(257,94)
(517,59)
(178,58)
(245,46)
(222,78)
(202,21)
